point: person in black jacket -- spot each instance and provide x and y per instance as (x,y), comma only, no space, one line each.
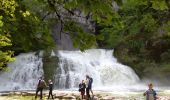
(40,86)
(90,82)
(50,85)
(82,87)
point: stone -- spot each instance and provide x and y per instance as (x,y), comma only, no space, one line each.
(95,98)
(17,93)
(69,97)
(60,96)
(4,94)
(108,98)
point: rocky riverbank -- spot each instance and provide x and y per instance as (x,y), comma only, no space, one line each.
(74,95)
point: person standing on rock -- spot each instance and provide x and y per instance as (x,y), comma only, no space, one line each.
(90,83)
(82,87)
(50,85)
(41,84)
(150,93)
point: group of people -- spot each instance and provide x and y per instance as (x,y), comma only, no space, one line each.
(86,87)
(41,85)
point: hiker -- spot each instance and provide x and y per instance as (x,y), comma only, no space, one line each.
(150,93)
(90,83)
(41,84)
(50,86)
(82,87)
(87,89)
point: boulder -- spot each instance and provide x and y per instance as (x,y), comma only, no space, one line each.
(17,93)
(108,98)
(69,97)
(4,94)
(60,96)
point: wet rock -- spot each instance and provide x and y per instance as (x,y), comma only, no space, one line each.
(76,95)
(69,97)
(99,96)
(108,98)
(17,93)
(4,94)
(28,94)
(59,96)
(95,98)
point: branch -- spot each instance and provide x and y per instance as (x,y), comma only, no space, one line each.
(168,4)
(72,13)
(58,15)
(45,16)
(61,22)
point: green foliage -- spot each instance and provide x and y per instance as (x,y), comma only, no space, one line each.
(5,56)
(138,30)
(140,34)
(81,39)
(99,11)
(21,31)
(28,32)
(50,64)
(7,8)
(159,4)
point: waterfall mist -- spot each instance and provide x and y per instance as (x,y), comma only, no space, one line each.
(99,64)
(23,73)
(107,73)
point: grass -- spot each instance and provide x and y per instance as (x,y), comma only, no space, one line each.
(14,97)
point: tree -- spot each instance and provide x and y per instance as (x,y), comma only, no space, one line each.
(139,34)
(20,31)
(6,8)
(69,12)
(28,32)
(5,56)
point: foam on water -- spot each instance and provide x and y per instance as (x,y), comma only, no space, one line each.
(23,73)
(107,73)
(100,64)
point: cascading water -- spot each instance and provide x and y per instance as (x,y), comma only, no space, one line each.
(98,63)
(23,73)
(106,72)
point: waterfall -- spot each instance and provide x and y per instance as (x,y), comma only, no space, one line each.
(22,73)
(73,66)
(98,63)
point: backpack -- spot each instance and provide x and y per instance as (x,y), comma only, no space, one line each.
(154,94)
(80,87)
(90,81)
(41,84)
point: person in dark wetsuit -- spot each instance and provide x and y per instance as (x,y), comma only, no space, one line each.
(50,85)
(82,87)
(40,86)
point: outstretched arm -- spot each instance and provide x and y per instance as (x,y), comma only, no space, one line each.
(144,94)
(45,84)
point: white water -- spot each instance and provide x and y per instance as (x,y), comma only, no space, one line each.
(22,74)
(106,72)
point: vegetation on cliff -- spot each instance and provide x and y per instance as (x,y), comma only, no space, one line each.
(27,24)
(140,34)
(139,30)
